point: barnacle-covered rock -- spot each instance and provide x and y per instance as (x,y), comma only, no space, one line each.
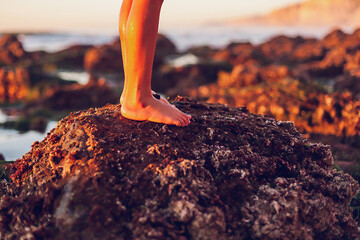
(228,175)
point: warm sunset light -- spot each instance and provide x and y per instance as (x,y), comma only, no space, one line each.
(169,119)
(100,16)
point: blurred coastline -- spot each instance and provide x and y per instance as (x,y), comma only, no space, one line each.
(183,37)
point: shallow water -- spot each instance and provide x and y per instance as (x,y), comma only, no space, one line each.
(14,144)
(81,77)
(220,36)
(55,42)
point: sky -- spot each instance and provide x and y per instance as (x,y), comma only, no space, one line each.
(101,15)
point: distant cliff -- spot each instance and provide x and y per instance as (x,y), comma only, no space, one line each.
(310,13)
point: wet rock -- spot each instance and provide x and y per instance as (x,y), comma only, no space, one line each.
(228,175)
(11,50)
(14,84)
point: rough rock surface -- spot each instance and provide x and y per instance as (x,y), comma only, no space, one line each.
(228,175)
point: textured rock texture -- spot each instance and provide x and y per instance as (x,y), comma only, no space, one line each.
(228,175)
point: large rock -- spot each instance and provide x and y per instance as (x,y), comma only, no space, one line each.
(228,175)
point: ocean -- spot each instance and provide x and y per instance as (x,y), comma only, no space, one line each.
(215,36)
(14,144)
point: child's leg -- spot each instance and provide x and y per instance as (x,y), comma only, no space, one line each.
(140,37)
(123,19)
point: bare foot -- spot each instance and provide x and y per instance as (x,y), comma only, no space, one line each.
(152,92)
(155,110)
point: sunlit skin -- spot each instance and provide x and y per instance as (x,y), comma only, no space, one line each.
(138,27)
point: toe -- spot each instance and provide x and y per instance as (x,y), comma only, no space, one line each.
(179,123)
(175,120)
(184,120)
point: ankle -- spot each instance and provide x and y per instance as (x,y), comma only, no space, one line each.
(137,100)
